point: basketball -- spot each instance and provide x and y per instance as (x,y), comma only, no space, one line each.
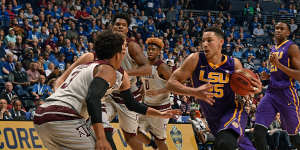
(240,81)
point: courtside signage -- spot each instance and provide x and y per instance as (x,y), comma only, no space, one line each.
(19,135)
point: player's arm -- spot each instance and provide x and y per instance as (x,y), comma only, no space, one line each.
(294,55)
(104,76)
(87,57)
(256,83)
(136,53)
(140,108)
(185,71)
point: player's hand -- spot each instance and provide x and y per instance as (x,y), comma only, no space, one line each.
(171,113)
(256,84)
(204,93)
(102,145)
(152,93)
(274,59)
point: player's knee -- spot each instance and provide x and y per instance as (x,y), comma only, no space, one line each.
(260,132)
(295,139)
(160,141)
(226,140)
(260,137)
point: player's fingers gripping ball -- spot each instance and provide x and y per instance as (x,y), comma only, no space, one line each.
(240,82)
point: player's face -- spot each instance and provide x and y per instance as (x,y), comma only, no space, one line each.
(153,51)
(121,26)
(281,31)
(211,44)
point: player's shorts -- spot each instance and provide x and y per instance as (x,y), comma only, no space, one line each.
(154,125)
(109,112)
(284,101)
(234,119)
(61,128)
(128,120)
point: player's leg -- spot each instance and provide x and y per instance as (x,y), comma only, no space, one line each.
(128,122)
(141,135)
(226,140)
(289,112)
(159,130)
(108,113)
(146,140)
(230,127)
(265,114)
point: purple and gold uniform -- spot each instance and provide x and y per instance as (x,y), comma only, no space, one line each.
(226,113)
(281,95)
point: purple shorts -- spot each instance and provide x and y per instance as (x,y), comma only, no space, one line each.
(284,101)
(234,119)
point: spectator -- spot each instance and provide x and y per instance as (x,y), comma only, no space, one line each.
(4,112)
(33,73)
(250,52)
(37,104)
(171,15)
(9,65)
(278,138)
(8,94)
(16,112)
(258,10)
(237,53)
(41,90)
(11,37)
(282,10)
(293,26)
(200,128)
(227,51)
(20,81)
(259,31)
(249,64)
(262,53)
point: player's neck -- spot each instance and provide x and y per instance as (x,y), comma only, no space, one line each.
(280,41)
(152,62)
(216,59)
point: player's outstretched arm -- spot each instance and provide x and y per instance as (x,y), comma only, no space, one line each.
(136,52)
(294,55)
(104,76)
(185,71)
(140,108)
(87,57)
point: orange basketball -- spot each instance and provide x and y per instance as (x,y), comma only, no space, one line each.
(240,81)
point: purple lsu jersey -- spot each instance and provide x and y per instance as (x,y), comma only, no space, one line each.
(278,79)
(219,76)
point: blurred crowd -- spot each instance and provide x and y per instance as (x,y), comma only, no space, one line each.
(41,39)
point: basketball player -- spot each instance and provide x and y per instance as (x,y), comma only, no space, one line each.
(60,122)
(281,95)
(156,96)
(211,70)
(135,64)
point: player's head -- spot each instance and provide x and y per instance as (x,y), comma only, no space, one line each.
(110,45)
(120,23)
(155,45)
(282,31)
(212,41)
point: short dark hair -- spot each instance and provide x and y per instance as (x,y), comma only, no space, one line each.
(216,30)
(121,16)
(108,44)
